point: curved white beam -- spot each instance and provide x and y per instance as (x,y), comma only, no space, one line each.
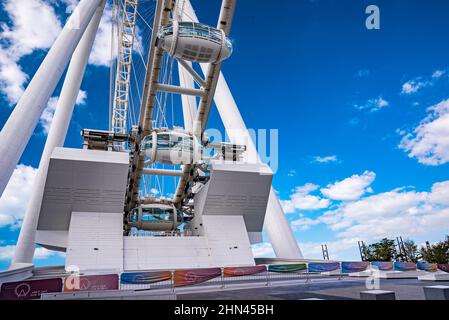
(21,124)
(61,120)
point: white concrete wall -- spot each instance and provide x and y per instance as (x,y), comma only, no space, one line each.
(145,253)
(228,241)
(225,243)
(95,241)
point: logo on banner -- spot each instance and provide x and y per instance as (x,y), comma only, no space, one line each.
(22,290)
(85,284)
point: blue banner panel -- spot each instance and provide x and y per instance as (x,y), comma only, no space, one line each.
(382,265)
(405,266)
(425,266)
(323,267)
(350,267)
(144,277)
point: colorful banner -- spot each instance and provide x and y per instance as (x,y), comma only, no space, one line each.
(243,271)
(281,268)
(425,266)
(91,283)
(145,277)
(443,267)
(350,267)
(404,266)
(382,265)
(323,267)
(27,290)
(195,276)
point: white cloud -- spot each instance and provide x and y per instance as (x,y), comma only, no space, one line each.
(416,84)
(440,194)
(7,253)
(363,73)
(24,35)
(21,38)
(351,188)
(325,159)
(402,211)
(304,223)
(373,105)
(263,250)
(429,142)
(301,199)
(408,213)
(12,78)
(438,74)
(292,173)
(15,198)
(101,50)
(47,116)
(413,86)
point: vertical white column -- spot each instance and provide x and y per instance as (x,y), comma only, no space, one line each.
(276,224)
(20,126)
(61,120)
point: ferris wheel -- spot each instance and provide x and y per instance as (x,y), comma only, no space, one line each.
(165,76)
(152,87)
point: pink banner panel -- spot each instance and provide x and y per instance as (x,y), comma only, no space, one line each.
(91,283)
(27,290)
(443,267)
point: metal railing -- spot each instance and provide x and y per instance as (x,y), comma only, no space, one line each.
(264,278)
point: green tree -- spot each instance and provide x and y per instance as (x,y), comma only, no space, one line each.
(412,253)
(436,253)
(384,250)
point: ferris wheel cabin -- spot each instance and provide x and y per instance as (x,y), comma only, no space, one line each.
(171,147)
(193,41)
(155,217)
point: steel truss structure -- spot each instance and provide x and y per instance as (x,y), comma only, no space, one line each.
(127,33)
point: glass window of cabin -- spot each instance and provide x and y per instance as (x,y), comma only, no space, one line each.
(147,142)
(133,216)
(157,214)
(163,140)
(166,31)
(187,144)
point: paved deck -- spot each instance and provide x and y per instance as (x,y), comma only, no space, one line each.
(345,289)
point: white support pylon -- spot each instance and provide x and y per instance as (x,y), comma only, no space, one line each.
(276,224)
(26,243)
(20,126)
(189,104)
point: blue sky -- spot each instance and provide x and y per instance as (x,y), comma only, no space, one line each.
(363,115)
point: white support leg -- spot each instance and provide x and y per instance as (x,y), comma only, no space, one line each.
(21,124)
(189,104)
(276,225)
(25,246)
